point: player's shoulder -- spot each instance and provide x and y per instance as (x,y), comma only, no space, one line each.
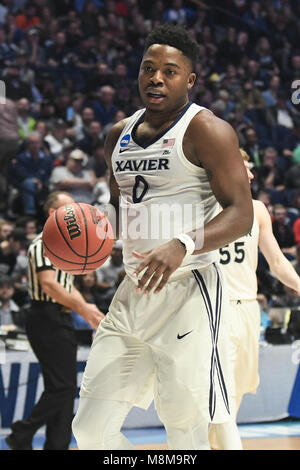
(112,138)
(208,131)
(116,129)
(261,212)
(207,122)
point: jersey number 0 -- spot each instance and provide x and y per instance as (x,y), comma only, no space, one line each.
(141,186)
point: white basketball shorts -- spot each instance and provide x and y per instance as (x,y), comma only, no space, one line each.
(244,345)
(172,346)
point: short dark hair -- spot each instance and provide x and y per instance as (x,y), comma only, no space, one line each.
(175,36)
(5,279)
(18,235)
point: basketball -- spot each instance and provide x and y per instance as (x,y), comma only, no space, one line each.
(77,238)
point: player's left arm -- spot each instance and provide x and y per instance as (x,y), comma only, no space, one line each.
(278,263)
(213,144)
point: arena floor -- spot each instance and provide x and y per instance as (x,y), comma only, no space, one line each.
(282,435)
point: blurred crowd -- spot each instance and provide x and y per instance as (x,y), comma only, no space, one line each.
(70,70)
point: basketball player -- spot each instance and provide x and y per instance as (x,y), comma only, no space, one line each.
(172,153)
(52,337)
(239,262)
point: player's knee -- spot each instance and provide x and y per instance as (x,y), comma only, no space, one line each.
(80,431)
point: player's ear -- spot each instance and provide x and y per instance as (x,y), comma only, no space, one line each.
(191,80)
(51,210)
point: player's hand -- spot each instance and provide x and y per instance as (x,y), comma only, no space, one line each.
(159,263)
(93,315)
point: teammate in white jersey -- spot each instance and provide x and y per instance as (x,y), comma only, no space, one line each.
(175,158)
(239,262)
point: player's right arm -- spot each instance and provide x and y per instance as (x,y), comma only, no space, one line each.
(109,145)
(73,301)
(278,263)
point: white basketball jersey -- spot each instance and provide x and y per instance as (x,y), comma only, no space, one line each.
(162,193)
(239,263)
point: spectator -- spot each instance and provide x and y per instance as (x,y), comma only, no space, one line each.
(6,226)
(97,161)
(86,117)
(73,178)
(93,138)
(292,177)
(254,17)
(178,13)
(15,87)
(27,74)
(250,96)
(35,50)
(252,146)
(263,54)
(29,18)
(109,275)
(57,138)
(30,172)
(102,76)
(10,249)
(56,52)
(270,175)
(4,10)
(105,108)
(283,232)
(8,50)
(9,310)
(30,225)
(242,49)
(256,74)
(26,122)
(119,115)
(83,61)
(271,94)
(9,145)
(73,117)
(101,192)
(42,128)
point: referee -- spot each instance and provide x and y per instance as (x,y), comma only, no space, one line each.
(52,337)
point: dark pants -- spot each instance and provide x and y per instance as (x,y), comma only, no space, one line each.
(52,338)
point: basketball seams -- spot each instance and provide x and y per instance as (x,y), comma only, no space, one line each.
(86,236)
(105,229)
(78,222)
(64,238)
(72,262)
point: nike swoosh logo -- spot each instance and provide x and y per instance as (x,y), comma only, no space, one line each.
(124,150)
(182,336)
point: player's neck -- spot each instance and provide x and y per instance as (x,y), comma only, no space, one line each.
(158,119)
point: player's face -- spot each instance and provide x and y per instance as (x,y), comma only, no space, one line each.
(249,173)
(164,79)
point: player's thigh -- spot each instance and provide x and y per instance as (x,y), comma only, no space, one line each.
(192,366)
(118,368)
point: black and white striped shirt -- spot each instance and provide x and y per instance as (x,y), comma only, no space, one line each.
(37,262)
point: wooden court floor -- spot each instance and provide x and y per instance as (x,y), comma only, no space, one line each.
(273,443)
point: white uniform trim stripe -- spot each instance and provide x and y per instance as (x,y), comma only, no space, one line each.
(218,317)
(214,328)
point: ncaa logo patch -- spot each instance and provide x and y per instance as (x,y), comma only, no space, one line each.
(125,140)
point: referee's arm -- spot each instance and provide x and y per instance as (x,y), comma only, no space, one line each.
(74,301)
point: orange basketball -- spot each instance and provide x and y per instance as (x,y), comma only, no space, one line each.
(77,238)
